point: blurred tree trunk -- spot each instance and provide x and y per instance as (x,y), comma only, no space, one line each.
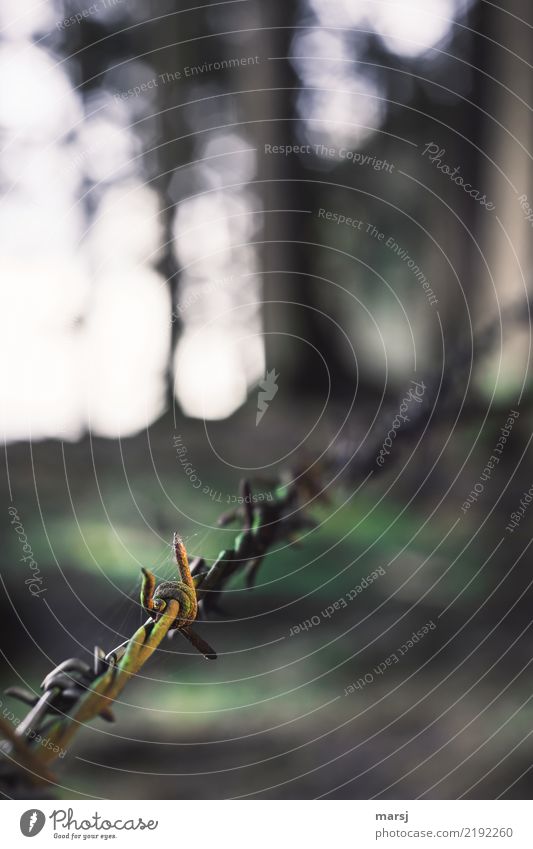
(294,304)
(507,234)
(166,59)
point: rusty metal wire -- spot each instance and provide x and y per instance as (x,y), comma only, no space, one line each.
(74,693)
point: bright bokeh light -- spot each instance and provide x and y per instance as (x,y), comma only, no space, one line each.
(219,297)
(339,104)
(40,348)
(105,148)
(38,222)
(210,378)
(85,320)
(408,28)
(25,18)
(412,27)
(340,12)
(37,97)
(127,226)
(126,343)
(210,228)
(41,174)
(229,160)
(344,104)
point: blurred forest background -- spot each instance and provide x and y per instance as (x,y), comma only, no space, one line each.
(173,180)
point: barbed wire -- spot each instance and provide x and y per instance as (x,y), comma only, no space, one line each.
(75,692)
